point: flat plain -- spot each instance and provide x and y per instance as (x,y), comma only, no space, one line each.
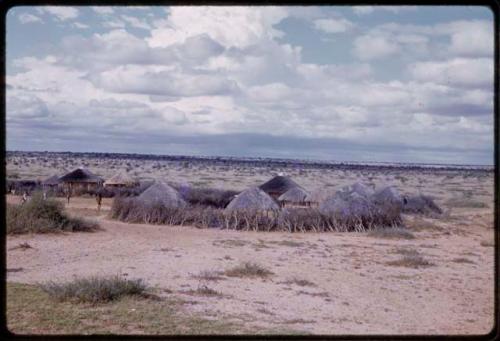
(318,283)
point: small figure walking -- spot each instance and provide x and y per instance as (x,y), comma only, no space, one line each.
(99,201)
(44,195)
(24,198)
(68,195)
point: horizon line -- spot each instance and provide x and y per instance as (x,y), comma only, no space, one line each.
(262,157)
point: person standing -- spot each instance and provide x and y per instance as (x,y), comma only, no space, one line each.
(24,198)
(68,195)
(99,201)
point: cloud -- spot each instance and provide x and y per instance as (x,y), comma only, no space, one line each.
(190,80)
(461,72)
(60,13)
(135,22)
(365,10)
(26,18)
(102,9)
(371,46)
(81,25)
(248,25)
(333,25)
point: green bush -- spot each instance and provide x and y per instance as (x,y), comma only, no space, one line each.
(41,216)
(94,289)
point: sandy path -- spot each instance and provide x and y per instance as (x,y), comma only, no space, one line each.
(355,292)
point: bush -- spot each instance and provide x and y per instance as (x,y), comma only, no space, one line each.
(41,216)
(206,196)
(248,270)
(94,289)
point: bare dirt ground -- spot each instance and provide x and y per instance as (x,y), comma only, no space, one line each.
(354,288)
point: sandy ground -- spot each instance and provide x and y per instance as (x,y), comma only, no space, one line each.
(355,290)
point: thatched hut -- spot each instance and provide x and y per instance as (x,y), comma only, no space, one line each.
(51,182)
(252,199)
(356,188)
(420,204)
(317,196)
(296,196)
(346,207)
(388,195)
(278,185)
(81,179)
(160,193)
(120,180)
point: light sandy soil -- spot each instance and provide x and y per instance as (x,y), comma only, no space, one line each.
(355,290)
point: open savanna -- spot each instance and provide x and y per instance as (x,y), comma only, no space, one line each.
(436,278)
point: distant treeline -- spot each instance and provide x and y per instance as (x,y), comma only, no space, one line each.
(255,162)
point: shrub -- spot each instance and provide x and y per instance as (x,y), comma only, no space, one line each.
(206,196)
(41,216)
(248,269)
(94,289)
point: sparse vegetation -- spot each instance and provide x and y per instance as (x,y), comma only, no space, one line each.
(487,243)
(411,259)
(209,275)
(248,269)
(42,216)
(299,282)
(94,289)
(32,311)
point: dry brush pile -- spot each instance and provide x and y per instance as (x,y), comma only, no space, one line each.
(291,219)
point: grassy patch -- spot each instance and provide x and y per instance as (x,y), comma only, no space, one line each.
(420,224)
(209,275)
(299,282)
(22,246)
(462,260)
(466,202)
(94,289)
(248,269)
(391,233)
(42,216)
(487,243)
(230,243)
(411,259)
(32,311)
(289,243)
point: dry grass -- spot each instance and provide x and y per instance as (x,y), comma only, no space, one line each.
(487,243)
(462,260)
(248,269)
(22,246)
(209,275)
(411,259)
(391,233)
(299,282)
(94,289)
(32,311)
(43,216)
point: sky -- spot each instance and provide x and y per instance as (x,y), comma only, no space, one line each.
(340,83)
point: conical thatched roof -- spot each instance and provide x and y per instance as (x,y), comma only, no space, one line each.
(295,195)
(361,189)
(162,194)
(318,195)
(355,189)
(253,199)
(81,175)
(387,194)
(420,204)
(121,178)
(51,181)
(278,184)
